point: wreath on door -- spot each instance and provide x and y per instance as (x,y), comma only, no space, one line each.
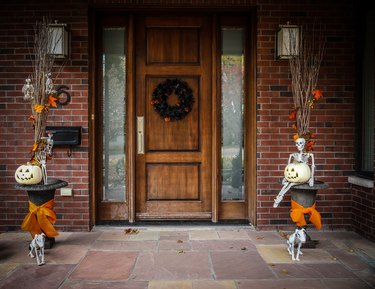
(161,94)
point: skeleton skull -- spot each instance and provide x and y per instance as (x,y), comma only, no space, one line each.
(300,143)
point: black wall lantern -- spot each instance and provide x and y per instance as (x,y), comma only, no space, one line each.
(287,41)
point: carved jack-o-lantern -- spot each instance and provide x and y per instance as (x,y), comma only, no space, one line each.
(28,174)
(297,173)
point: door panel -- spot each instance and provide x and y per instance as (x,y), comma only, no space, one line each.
(173,176)
(184,50)
(175,135)
(183,178)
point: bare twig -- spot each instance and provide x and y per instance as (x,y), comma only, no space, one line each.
(304,69)
(42,63)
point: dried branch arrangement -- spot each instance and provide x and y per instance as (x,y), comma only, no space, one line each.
(41,78)
(39,91)
(304,69)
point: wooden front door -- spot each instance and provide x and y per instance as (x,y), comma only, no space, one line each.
(173,161)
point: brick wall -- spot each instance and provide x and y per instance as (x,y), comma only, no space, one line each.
(16,26)
(364,211)
(332,119)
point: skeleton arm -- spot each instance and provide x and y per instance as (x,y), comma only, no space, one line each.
(311,181)
(284,181)
(290,158)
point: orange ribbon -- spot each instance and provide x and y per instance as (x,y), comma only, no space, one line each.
(40,219)
(297,213)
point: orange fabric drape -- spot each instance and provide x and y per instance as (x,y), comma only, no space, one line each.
(297,213)
(40,219)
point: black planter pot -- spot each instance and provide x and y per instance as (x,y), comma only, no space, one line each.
(40,194)
(306,197)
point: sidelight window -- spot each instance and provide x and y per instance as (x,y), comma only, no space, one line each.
(232,113)
(113,113)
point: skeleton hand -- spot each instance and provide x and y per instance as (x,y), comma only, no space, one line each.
(277,201)
(311,182)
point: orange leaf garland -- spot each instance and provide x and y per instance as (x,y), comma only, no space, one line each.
(52,101)
(34,162)
(35,147)
(317,94)
(31,118)
(309,146)
(39,108)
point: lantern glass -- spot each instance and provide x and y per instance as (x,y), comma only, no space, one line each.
(59,45)
(288,39)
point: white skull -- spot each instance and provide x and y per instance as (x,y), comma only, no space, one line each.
(300,143)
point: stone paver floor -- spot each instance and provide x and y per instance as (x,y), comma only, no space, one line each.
(182,257)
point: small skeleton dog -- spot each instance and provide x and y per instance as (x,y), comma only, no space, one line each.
(37,247)
(299,157)
(297,238)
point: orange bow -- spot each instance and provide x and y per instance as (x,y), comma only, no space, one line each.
(40,219)
(297,213)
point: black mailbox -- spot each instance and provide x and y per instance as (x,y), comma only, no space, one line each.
(65,135)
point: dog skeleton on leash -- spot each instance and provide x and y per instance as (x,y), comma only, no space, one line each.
(297,238)
(37,247)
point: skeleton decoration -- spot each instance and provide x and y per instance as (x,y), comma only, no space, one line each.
(297,238)
(42,155)
(37,247)
(28,90)
(49,144)
(49,84)
(298,171)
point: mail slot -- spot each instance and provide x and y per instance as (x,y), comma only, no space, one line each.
(65,135)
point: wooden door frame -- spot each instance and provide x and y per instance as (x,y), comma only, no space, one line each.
(250,119)
(248,21)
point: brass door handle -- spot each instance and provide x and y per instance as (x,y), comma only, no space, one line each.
(140,135)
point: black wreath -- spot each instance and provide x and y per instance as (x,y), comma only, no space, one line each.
(160,99)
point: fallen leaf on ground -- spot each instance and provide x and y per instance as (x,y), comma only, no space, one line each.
(284,235)
(130,231)
(284,271)
(180,241)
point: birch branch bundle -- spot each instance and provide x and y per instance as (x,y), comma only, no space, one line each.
(304,69)
(42,65)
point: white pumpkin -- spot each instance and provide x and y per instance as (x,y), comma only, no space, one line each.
(297,173)
(28,174)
